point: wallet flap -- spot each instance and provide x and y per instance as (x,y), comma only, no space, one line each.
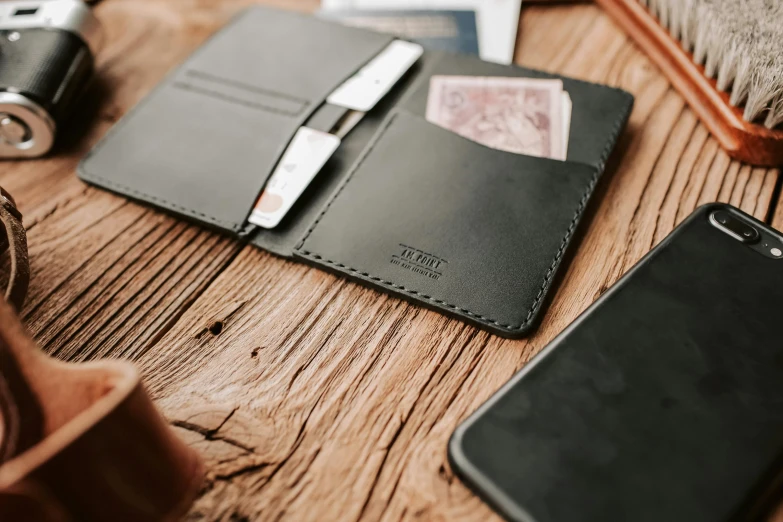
(204,143)
(452,224)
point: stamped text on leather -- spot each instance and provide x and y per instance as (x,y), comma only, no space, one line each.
(418,261)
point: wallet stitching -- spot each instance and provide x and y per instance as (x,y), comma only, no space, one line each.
(162,202)
(168,81)
(481,318)
(234,227)
(85,174)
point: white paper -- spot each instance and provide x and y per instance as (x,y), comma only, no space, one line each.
(307,153)
(497,20)
(566,115)
(371,83)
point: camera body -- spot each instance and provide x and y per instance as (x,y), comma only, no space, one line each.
(47,51)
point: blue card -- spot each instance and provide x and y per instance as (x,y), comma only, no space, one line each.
(453,31)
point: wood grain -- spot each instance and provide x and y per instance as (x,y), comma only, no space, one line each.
(313,398)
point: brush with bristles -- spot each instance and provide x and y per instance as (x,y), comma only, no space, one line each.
(726,58)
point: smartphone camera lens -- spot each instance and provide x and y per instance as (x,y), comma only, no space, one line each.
(735,226)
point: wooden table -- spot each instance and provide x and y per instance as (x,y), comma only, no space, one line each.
(312,398)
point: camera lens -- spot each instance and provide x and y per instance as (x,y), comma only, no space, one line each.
(735,226)
(750,234)
(13,130)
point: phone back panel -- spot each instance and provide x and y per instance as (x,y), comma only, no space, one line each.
(663,402)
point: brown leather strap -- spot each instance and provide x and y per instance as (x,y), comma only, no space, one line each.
(14,240)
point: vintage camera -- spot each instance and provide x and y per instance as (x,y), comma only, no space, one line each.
(46,58)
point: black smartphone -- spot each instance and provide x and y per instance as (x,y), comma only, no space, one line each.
(663,402)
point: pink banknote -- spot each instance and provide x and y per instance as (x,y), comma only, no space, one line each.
(519,115)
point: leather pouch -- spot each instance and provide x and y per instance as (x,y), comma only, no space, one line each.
(84,443)
(78,442)
(403,205)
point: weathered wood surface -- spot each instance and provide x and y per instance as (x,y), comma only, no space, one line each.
(310,397)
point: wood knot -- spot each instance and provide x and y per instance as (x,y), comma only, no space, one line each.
(216,327)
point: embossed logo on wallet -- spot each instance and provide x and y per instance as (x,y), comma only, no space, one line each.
(420,262)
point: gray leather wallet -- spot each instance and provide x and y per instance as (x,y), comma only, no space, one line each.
(403,205)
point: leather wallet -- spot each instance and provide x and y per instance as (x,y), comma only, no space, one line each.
(403,205)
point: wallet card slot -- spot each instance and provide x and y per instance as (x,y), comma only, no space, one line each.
(200,156)
(451,224)
(597,109)
(237,92)
(326,117)
(203,144)
(284,237)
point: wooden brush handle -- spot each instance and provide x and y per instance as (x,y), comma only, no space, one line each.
(747,142)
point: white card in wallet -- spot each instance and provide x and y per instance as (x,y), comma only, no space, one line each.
(371,83)
(305,156)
